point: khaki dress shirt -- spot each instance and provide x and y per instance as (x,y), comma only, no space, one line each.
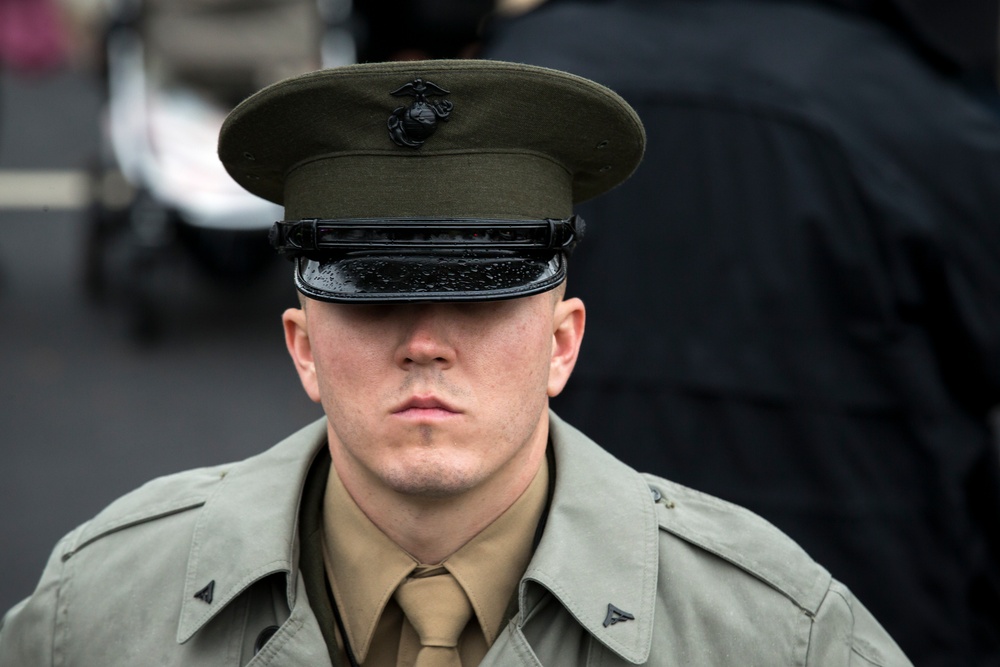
(364,568)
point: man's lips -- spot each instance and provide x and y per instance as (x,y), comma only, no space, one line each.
(425,406)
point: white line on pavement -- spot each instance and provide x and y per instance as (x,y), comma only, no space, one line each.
(43,189)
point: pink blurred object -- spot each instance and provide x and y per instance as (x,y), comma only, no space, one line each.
(32,37)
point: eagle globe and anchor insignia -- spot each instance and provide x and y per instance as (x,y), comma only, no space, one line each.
(411,126)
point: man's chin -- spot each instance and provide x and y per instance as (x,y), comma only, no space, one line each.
(431,475)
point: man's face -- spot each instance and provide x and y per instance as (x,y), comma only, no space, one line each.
(436,399)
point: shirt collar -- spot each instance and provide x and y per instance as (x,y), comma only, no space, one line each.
(366,566)
(490,565)
(600,548)
(240,539)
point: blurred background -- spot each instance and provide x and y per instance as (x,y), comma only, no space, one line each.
(87,411)
(140,304)
(103,387)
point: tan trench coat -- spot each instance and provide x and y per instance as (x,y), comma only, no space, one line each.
(631,569)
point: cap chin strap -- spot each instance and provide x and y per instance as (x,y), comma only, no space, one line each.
(315,238)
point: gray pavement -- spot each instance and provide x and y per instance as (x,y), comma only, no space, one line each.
(86,413)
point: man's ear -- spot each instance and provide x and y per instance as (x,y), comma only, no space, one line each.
(300,348)
(567,335)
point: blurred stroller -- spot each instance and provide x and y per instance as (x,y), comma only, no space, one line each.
(173,69)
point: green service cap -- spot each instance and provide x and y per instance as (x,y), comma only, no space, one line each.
(439,180)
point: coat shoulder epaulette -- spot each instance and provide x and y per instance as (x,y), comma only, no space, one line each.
(158,498)
(744,539)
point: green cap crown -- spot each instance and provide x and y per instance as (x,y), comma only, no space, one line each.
(519,141)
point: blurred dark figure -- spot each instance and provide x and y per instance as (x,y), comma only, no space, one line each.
(418,29)
(819,209)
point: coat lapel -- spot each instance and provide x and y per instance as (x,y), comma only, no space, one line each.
(248,529)
(599,552)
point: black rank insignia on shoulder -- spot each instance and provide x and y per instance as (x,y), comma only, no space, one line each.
(412,125)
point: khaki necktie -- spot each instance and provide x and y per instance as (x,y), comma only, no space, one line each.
(438,610)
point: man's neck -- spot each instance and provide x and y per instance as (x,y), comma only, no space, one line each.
(432,528)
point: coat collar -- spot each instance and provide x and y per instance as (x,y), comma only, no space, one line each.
(600,548)
(231,550)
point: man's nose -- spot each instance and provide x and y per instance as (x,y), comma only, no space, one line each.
(426,339)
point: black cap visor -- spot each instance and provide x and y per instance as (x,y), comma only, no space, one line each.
(459,275)
(421,259)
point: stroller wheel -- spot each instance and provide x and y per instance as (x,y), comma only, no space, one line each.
(151,237)
(106,220)
(99,227)
(142,320)
(143,323)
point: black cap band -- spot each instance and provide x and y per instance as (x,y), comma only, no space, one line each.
(318,239)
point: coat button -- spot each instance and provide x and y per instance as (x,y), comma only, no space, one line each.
(264,636)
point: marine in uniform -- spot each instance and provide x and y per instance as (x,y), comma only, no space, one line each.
(439,514)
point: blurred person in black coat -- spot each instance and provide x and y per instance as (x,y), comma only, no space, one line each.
(817,226)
